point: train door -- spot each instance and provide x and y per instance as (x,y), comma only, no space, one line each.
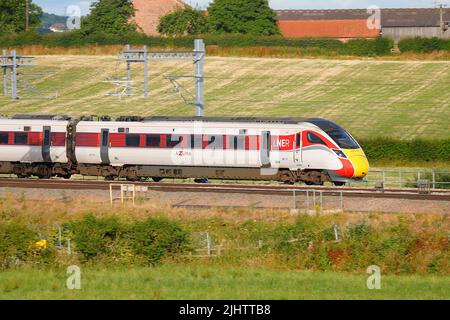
(104,146)
(298,150)
(265,148)
(46,144)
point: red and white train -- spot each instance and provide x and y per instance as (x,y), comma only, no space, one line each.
(313,151)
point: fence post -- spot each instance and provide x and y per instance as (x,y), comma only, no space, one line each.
(321,201)
(307,200)
(208,243)
(59,237)
(295,202)
(336,232)
(434,179)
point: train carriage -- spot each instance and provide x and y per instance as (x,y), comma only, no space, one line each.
(285,149)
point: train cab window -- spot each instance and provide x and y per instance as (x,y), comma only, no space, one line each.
(343,139)
(3,137)
(312,138)
(153,140)
(173,141)
(133,140)
(21,138)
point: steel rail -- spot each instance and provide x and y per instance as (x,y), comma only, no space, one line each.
(281,190)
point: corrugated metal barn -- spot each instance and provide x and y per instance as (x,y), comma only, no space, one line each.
(350,24)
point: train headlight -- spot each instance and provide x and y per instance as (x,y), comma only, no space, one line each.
(340,153)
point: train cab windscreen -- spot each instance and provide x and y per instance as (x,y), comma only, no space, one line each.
(343,139)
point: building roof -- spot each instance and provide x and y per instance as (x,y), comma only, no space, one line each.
(418,17)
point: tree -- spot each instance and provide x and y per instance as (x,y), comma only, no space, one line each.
(243,16)
(183,21)
(12,15)
(109,17)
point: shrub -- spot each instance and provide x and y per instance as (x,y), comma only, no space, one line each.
(95,236)
(417,150)
(111,240)
(157,238)
(424,45)
(17,246)
(360,47)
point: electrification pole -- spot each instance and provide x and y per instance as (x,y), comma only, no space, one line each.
(27,14)
(199,77)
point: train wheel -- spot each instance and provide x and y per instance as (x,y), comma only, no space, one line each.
(157,179)
(309,183)
(44,176)
(339,184)
(203,180)
(23,176)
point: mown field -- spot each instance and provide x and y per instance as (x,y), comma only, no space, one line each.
(372,98)
(207,283)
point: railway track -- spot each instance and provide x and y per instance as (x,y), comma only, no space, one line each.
(286,190)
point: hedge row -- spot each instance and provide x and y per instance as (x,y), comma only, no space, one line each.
(360,47)
(424,45)
(403,247)
(417,150)
(106,240)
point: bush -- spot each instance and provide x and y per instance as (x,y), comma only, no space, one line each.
(397,248)
(417,150)
(157,238)
(361,47)
(112,240)
(93,236)
(17,242)
(424,45)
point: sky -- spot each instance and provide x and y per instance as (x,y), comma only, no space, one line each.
(59,6)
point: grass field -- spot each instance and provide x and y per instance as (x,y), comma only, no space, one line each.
(401,99)
(199,282)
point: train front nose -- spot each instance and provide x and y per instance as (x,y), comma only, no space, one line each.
(359,161)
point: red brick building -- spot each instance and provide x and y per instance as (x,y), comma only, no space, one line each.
(148,13)
(339,24)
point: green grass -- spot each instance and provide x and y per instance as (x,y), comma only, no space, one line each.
(193,282)
(400,99)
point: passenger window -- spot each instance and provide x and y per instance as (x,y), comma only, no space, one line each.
(236,142)
(315,139)
(173,141)
(133,140)
(153,140)
(209,140)
(21,138)
(3,138)
(196,141)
